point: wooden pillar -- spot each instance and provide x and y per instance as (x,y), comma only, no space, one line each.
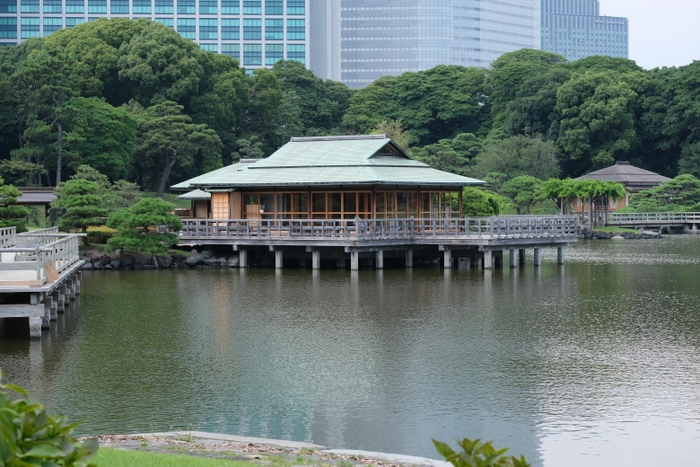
(35,327)
(316,259)
(409,259)
(379,259)
(538,257)
(513,260)
(72,287)
(354,260)
(488,259)
(78,278)
(521,259)
(447,258)
(279,259)
(560,254)
(242,258)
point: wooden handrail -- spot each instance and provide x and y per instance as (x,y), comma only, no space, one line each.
(380,229)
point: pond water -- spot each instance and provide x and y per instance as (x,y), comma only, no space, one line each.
(593,363)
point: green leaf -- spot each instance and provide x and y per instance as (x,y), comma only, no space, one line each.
(44,451)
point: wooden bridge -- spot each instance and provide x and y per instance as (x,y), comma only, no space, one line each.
(474,239)
(39,275)
(689,221)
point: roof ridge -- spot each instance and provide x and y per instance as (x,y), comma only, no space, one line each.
(301,139)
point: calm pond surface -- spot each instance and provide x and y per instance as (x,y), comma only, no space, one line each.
(593,363)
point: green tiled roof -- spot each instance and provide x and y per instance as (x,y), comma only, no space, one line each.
(348,160)
(195,195)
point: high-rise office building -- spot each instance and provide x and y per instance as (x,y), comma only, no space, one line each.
(257,32)
(390,37)
(575,29)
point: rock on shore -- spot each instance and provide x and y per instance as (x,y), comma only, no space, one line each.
(585,233)
(99,260)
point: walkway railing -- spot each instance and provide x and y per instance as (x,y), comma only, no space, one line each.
(653,218)
(46,252)
(381,229)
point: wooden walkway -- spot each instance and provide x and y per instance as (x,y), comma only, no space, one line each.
(39,275)
(355,236)
(655,220)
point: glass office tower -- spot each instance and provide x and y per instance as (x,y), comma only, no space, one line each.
(256,32)
(390,37)
(575,29)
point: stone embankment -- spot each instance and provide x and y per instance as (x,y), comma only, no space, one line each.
(585,233)
(97,259)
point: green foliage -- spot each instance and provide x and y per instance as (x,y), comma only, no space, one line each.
(479,202)
(100,136)
(166,137)
(516,156)
(680,194)
(115,196)
(10,213)
(135,227)
(523,191)
(29,437)
(474,453)
(82,203)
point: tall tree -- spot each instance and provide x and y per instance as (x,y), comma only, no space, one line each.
(82,204)
(516,156)
(166,137)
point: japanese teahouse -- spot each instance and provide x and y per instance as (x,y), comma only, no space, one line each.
(339,177)
(347,196)
(634,179)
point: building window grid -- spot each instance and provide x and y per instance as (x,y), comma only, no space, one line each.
(142,7)
(119,7)
(30,28)
(296,29)
(273,53)
(8,28)
(52,25)
(187,28)
(164,7)
(274,7)
(186,7)
(296,7)
(210,47)
(29,6)
(230,7)
(166,21)
(208,7)
(97,6)
(71,22)
(208,29)
(296,52)
(231,30)
(252,29)
(9,6)
(252,7)
(52,6)
(232,50)
(252,54)
(274,29)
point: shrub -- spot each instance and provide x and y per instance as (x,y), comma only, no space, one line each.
(477,454)
(29,437)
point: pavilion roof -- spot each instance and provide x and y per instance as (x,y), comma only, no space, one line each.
(626,174)
(195,195)
(330,161)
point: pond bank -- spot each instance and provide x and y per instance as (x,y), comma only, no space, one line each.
(258,450)
(584,233)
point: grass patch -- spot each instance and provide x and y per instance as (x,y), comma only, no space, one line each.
(107,457)
(614,230)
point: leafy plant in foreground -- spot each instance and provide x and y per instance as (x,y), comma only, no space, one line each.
(29,437)
(477,454)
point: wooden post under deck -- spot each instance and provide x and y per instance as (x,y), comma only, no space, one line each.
(538,257)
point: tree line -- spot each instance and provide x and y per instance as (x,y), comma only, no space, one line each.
(137,102)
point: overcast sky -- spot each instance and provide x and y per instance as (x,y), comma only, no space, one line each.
(662,32)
